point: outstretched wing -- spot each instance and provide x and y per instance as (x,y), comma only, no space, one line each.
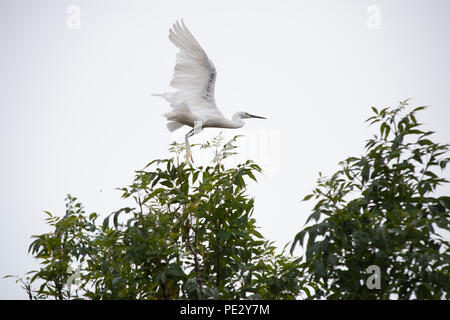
(194,75)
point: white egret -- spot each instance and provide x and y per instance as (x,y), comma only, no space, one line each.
(194,76)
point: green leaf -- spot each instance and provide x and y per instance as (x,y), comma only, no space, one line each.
(365,172)
(224,235)
(251,175)
(105,223)
(167,183)
(257,234)
(425,142)
(175,270)
(375,110)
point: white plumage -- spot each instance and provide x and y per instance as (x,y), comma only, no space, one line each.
(193,104)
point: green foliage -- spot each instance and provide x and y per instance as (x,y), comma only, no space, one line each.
(70,241)
(378,209)
(191,235)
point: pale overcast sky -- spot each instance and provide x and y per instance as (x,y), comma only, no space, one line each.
(76,115)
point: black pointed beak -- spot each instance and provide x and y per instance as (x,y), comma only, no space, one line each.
(256,117)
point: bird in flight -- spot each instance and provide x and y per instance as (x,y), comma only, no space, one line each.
(194,77)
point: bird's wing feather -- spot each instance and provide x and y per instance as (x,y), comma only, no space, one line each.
(194,75)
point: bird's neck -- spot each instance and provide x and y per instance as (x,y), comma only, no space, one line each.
(236,121)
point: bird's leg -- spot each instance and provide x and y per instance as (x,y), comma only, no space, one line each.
(198,127)
(188,156)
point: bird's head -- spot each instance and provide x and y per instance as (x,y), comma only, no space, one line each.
(246,115)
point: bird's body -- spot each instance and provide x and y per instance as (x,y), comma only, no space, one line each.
(194,76)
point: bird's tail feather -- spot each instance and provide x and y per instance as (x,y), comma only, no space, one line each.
(173,125)
(180,110)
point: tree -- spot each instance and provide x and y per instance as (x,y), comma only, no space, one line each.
(379,210)
(191,235)
(374,231)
